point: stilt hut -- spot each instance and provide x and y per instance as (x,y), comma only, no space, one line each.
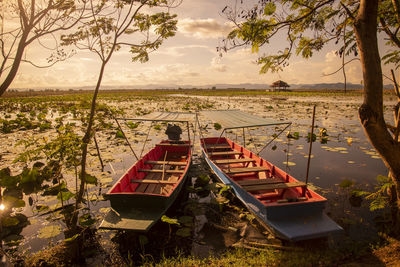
(280,86)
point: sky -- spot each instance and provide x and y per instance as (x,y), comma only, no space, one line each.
(188,59)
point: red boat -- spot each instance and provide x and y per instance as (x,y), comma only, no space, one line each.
(145,192)
(279,201)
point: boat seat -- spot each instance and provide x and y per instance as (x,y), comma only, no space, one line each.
(160,162)
(231,161)
(245,170)
(148,181)
(260,181)
(224,153)
(161,171)
(218,146)
(273,186)
(176,145)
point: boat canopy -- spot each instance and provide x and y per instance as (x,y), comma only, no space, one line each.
(233,118)
(167,116)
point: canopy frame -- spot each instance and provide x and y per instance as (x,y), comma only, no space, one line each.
(250,126)
(152,121)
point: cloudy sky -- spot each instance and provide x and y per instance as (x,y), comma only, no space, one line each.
(189,58)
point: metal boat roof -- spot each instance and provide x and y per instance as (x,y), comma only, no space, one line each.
(165,116)
(233,118)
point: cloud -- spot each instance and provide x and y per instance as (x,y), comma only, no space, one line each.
(331,56)
(217,65)
(203,28)
(180,51)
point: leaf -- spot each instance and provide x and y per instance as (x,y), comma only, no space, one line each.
(49,231)
(65,195)
(217,126)
(10,221)
(119,134)
(224,189)
(184,232)
(269,9)
(169,220)
(71,239)
(54,190)
(13,202)
(346,183)
(90,179)
(143,240)
(86,220)
(186,220)
(289,163)
(41,207)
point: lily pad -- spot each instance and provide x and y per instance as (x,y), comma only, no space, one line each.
(49,231)
(289,163)
(104,210)
(184,232)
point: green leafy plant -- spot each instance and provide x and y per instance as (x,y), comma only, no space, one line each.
(217,126)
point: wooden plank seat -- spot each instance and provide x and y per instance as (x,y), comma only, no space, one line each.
(260,181)
(245,170)
(231,161)
(225,153)
(161,171)
(218,146)
(162,162)
(273,186)
(168,144)
(149,181)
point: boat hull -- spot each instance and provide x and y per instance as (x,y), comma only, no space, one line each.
(291,221)
(139,211)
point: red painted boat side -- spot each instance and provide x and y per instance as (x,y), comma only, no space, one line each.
(268,199)
(124,186)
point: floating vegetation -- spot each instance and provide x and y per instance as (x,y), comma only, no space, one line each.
(49,231)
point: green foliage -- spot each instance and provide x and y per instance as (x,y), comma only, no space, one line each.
(346,183)
(309,25)
(380,198)
(119,134)
(217,126)
(169,220)
(86,220)
(132,125)
(295,135)
(90,179)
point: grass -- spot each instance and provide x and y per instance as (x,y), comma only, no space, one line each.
(272,257)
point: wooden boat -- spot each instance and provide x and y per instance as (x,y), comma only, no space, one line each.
(279,201)
(145,192)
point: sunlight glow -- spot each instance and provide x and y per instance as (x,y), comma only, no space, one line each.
(2,207)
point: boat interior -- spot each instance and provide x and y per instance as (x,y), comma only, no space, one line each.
(263,180)
(157,172)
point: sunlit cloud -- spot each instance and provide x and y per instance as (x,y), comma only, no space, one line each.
(203,28)
(217,65)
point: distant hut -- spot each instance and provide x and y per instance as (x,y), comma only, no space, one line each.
(280,86)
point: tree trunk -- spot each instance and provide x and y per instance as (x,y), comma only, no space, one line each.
(17,61)
(85,143)
(371,111)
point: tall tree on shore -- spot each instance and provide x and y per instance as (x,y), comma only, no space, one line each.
(309,25)
(140,25)
(25,22)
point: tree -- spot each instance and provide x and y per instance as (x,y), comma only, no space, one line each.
(37,20)
(106,32)
(309,25)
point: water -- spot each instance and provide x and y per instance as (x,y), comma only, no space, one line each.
(347,155)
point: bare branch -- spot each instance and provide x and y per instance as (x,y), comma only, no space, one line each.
(336,71)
